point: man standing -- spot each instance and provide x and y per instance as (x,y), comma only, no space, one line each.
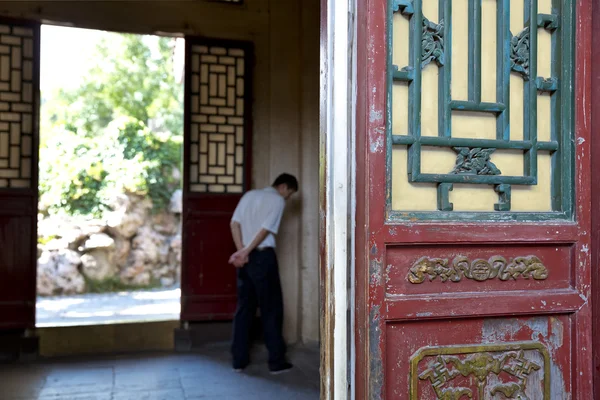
(254,225)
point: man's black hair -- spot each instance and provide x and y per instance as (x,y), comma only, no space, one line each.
(286,179)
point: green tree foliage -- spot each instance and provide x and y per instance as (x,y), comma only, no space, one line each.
(120,131)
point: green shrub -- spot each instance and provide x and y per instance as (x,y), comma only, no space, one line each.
(96,141)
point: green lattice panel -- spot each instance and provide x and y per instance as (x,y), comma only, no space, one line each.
(16,106)
(217,102)
(430,42)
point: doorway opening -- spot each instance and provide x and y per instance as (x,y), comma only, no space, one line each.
(109,213)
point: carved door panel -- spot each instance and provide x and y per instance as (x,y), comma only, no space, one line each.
(473,205)
(19,110)
(217,141)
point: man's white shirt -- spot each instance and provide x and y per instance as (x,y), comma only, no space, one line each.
(259,209)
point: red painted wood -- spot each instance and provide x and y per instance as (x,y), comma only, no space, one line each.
(18,227)
(595,176)
(390,327)
(208,282)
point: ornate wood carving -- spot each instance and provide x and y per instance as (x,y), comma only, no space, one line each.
(474,161)
(479,371)
(478,270)
(519,53)
(432,43)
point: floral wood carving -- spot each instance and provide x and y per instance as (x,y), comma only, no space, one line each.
(474,161)
(479,270)
(480,365)
(519,53)
(432,43)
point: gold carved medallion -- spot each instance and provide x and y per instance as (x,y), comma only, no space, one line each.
(502,371)
(478,270)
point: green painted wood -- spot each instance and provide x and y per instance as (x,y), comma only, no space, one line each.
(445,73)
(397,216)
(443,198)
(475,179)
(477,107)
(504,194)
(414,118)
(464,142)
(559,86)
(547,21)
(530,120)
(503,69)
(404,6)
(565,111)
(475,50)
(405,74)
(546,85)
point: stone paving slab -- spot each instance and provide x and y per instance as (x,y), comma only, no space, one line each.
(203,375)
(105,308)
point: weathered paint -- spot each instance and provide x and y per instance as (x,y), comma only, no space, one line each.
(442,314)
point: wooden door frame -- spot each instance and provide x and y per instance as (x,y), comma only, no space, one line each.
(370,129)
(595,181)
(21,315)
(337,197)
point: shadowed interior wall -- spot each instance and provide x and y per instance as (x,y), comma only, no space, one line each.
(286,89)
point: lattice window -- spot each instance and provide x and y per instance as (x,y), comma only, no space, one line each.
(16,106)
(217,119)
(478,58)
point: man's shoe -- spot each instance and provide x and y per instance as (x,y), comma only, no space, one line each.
(239,368)
(281,368)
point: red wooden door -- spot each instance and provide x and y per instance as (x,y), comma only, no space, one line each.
(473,200)
(217,164)
(19,108)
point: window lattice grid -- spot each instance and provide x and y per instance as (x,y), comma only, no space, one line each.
(217,111)
(16,106)
(429,43)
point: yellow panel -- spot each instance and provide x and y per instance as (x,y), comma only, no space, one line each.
(240,66)
(408,196)
(437,160)
(239,135)
(544,56)
(216,188)
(510,162)
(473,125)
(517,107)
(195,63)
(25,168)
(230,165)
(538,197)
(221,159)
(3,183)
(193,173)
(213,85)
(239,175)
(240,87)
(488,50)
(400,41)
(430,10)
(473,198)
(429,101)
(203,163)
(194,153)
(212,153)
(517,16)
(545,6)
(544,117)
(460,49)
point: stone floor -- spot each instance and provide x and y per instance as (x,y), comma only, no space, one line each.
(108,308)
(202,375)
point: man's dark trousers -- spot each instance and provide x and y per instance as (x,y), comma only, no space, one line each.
(258,284)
